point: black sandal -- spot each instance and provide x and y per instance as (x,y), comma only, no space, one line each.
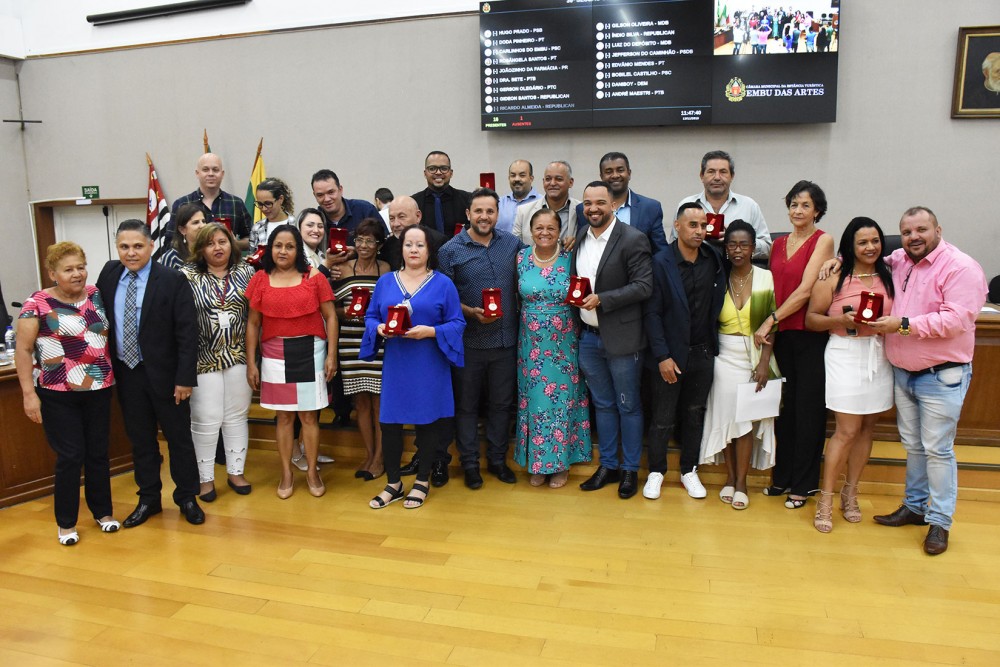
(795,503)
(417,486)
(775,491)
(377,503)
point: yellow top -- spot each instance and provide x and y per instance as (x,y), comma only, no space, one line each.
(729,323)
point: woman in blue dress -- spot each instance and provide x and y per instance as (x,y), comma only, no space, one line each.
(553,415)
(416,370)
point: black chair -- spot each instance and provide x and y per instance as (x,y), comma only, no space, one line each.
(994,293)
(892,242)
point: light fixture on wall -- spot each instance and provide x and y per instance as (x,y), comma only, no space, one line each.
(160,10)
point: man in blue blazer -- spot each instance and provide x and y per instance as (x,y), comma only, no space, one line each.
(681,320)
(642,213)
(154,350)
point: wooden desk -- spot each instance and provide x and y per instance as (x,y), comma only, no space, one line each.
(26,461)
(980,420)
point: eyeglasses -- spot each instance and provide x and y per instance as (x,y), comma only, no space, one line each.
(365,243)
(264,204)
(733,245)
(437,169)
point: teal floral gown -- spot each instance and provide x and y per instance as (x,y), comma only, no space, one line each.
(553,415)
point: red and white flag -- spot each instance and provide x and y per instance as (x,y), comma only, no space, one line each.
(157,211)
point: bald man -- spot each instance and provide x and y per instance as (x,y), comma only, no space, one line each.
(403,213)
(218,205)
(521,177)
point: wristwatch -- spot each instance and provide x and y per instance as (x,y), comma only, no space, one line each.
(904,326)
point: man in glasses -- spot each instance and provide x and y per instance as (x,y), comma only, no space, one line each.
(441,206)
(689,287)
(717,172)
(219,206)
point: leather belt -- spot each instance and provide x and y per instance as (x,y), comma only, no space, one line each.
(594,330)
(935,369)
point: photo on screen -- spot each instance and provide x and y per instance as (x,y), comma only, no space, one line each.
(746,27)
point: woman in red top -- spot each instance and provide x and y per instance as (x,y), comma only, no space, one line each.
(801,427)
(294,303)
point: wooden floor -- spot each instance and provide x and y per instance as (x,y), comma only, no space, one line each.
(507,575)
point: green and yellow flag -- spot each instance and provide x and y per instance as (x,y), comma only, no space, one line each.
(257,174)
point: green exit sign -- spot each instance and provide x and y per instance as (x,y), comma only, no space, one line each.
(91,192)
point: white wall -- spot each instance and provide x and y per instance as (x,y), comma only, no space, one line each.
(370,100)
(17,255)
(60,26)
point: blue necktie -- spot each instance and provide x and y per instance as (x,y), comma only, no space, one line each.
(130,323)
(438,212)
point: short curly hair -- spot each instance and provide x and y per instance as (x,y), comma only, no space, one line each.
(57,252)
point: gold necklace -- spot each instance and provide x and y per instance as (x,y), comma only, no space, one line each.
(743,284)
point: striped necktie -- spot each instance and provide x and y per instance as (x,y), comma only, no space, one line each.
(130,323)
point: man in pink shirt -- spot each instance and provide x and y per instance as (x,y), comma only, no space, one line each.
(939,293)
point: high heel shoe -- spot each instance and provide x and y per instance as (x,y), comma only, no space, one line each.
(849,503)
(318,490)
(823,521)
(286,493)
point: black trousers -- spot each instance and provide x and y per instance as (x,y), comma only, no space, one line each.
(142,410)
(427,441)
(76,425)
(801,425)
(497,370)
(680,405)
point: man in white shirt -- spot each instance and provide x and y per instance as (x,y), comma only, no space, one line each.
(557,181)
(717,172)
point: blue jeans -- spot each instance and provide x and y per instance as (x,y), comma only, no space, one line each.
(614,382)
(927,411)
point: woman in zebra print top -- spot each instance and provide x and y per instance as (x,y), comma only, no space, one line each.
(219,278)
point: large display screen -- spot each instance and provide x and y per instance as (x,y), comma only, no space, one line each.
(620,63)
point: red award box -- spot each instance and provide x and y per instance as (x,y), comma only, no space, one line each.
(257,256)
(360,298)
(225,221)
(579,289)
(716,225)
(338,239)
(458,228)
(491,302)
(488,179)
(398,322)
(871,307)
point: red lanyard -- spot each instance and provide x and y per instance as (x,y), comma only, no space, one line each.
(222,294)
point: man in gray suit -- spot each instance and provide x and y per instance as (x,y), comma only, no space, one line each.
(616,259)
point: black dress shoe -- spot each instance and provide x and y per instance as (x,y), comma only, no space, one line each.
(628,485)
(242,490)
(139,515)
(192,512)
(473,479)
(936,541)
(502,472)
(600,478)
(439,474)
(211,495)
(411,467)
(904,516)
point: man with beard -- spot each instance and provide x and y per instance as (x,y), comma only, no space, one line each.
(930,337)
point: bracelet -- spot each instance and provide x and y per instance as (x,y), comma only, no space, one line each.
(774,314)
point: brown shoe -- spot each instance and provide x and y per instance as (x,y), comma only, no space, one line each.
(936,541)
(904,516)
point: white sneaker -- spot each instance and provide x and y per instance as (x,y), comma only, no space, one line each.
(693,485)
(653,484)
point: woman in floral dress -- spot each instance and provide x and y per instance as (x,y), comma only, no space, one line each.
(553,416)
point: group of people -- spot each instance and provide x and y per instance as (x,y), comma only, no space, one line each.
(449,307)
(793,30)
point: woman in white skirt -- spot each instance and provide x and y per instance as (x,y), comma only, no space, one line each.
(858,375)
(749,302)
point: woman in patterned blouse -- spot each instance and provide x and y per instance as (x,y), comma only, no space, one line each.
(62,336)
(189,220)
(219,279)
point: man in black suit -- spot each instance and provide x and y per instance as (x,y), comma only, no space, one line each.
(441,206)
(681,318)
(154,351)
(615,258)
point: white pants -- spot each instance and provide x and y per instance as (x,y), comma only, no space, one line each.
(221,400)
